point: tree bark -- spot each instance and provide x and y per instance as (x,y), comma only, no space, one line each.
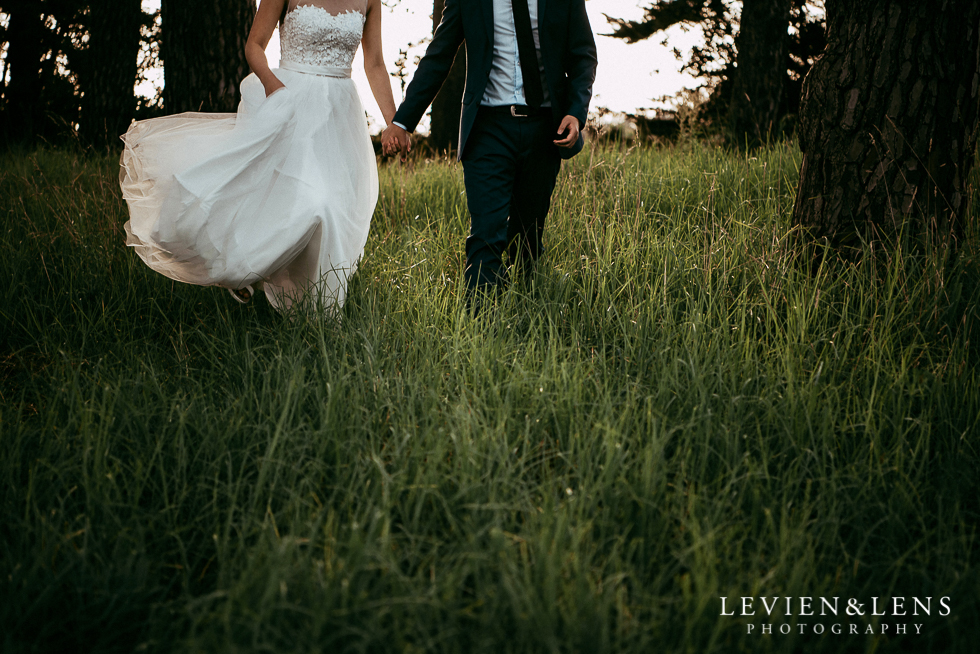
(25,47)
(762,61)
(203,50)
(889,120)
(110,71)
(447,107)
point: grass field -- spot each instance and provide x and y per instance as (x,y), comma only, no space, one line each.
(673,412)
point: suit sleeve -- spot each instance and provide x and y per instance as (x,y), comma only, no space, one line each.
(433,68)
(580,62)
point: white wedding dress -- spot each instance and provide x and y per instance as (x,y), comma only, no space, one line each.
(280,193)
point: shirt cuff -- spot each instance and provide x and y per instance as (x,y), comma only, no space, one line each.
(397,124)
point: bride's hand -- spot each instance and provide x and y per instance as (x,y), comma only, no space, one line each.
(272,88)
(393,139)
(390,141)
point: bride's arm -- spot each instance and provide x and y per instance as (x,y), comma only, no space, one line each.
(374,63)
(263,27)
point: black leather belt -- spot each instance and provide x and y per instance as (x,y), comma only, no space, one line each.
(517,110)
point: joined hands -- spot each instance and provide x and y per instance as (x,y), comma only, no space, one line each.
(395,139)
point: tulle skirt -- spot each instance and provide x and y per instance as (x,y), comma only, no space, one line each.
(282,192)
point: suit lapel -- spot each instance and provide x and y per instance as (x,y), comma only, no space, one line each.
(541,10)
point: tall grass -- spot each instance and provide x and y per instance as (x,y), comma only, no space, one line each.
(673,410)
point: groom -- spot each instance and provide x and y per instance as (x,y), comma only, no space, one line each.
(530,65)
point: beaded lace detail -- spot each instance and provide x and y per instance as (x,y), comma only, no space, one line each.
(311,35)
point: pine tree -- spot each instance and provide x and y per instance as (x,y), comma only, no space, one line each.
(108,75)
(754,60)
(759,85)
(203,52)
(889,121)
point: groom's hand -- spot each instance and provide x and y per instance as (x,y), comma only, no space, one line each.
(567,132)
(395,139)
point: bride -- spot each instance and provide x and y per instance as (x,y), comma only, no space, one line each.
(279,196)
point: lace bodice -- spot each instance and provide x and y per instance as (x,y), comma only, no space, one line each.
(314,35)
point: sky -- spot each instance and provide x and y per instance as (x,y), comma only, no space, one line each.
(629,78)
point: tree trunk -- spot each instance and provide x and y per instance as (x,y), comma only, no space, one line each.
(446,108)
(889,120)
(25,47)
(762,61)
(109,99)
(203,51)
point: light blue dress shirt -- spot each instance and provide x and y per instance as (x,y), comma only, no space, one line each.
(506,83)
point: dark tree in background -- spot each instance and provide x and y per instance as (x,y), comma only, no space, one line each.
(759,80)
(73,65)
(25,49)
(447,107)
(711,59)
(203,52)
(889,120)
(754,63)
(108,70)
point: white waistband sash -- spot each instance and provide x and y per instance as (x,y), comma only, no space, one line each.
(322,71)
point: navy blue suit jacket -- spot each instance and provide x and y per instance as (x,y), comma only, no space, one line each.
(567,51)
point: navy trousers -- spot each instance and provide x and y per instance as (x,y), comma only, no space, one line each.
(509,170)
